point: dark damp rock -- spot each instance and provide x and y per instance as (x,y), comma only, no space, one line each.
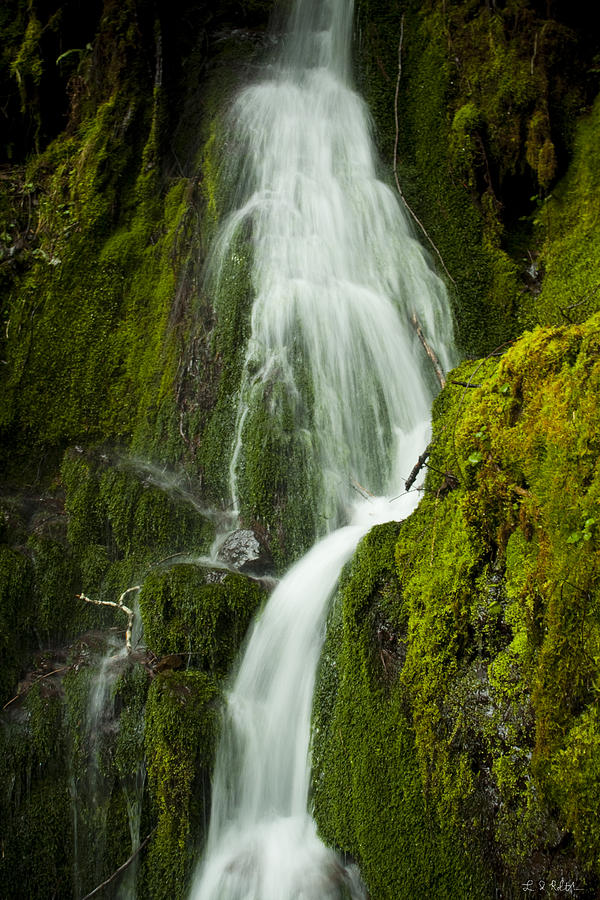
(172,661)
(244,551)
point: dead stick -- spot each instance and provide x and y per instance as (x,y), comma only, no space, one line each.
(417,468)
(26,691)
(535,47)
(118,605)
(429,351)
(396,100)
(361,490)
(120,869)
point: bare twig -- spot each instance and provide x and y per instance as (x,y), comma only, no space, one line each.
(429,351)
(535,47)
(118,605)
(577,303)
(360,489)
(28,688)
(397,123)
(396,100)
(417,468)
(120,869)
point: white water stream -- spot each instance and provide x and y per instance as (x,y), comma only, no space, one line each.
(337,277)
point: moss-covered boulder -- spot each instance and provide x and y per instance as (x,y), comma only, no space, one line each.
(200,613)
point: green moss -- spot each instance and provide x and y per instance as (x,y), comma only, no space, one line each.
(16,616)
(469,670)
(466,126)
(34,799)
(101,277)
(104,777)
(232,309)
(277,479)
(568,225)
(575,781)
(181,727)
(369,796)
(185,611)
(106,345)
(487,101)
(27,68)
(124,518)
(486,637)
(131,692)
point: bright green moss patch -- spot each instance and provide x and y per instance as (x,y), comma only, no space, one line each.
(369,796)
(126,516)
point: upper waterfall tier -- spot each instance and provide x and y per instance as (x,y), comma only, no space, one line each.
(337,274)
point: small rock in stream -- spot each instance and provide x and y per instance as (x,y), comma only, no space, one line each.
(245,552)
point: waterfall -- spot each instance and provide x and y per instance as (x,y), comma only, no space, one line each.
(337,277)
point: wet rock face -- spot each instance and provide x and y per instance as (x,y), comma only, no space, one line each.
(245,552)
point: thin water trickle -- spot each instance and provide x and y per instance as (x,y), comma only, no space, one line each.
(90,793)
(94,785)
(337,276)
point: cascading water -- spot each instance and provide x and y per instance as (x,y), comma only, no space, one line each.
(337,278)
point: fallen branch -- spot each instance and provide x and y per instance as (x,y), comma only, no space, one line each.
(397,123)
(360,489)
(118,605)
(465,384)
(35,681)
(121,868)
(429,351)
(417,468)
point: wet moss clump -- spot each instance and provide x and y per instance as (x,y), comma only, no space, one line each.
(35,816)
(66,775)
(182,719)
(202,613)
(367,791)
(16,614)
(567,226)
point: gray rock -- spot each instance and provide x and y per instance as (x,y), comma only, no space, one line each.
(243,550)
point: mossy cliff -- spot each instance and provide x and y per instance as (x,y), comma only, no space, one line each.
(458,704)
(456,726)
(477,105)
(112,367)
